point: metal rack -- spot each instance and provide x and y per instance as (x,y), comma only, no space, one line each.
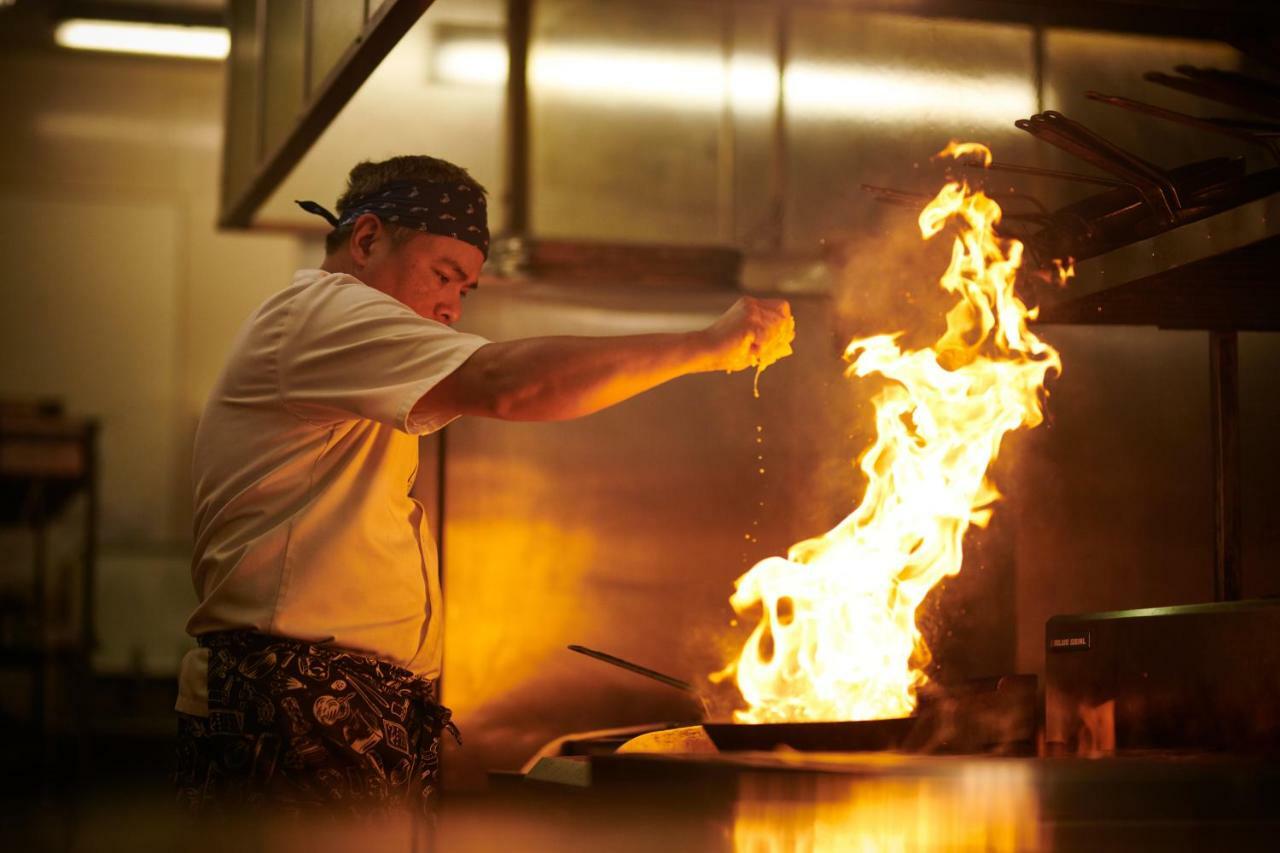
(47,462)
(1193,248)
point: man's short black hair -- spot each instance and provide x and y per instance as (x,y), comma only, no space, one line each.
(369,177)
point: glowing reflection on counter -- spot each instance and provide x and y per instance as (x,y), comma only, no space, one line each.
(985,806)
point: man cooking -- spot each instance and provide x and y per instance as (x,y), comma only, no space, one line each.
(319,618)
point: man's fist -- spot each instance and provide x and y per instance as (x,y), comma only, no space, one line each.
(753,333)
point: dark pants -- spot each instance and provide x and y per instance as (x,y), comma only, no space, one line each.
(296,726)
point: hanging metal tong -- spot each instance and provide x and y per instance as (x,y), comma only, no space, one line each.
(1263,134)
(1225,87)
(1152,183)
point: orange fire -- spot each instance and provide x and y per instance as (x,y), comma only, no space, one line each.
(837,635)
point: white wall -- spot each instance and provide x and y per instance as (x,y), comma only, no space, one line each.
(119,296)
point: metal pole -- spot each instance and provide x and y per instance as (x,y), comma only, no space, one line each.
(442,443)
(40,650)
(442,455)
(519,22)
(308,48)
(778,188)
(88,618)
(1224,390)
(259,88)
(726,176)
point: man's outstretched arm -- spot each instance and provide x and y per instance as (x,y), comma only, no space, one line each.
(557,378)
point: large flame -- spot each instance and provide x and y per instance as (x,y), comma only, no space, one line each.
(837,639)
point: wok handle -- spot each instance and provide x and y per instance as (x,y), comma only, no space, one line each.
(634,667)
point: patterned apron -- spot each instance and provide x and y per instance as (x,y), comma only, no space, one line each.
(296,726)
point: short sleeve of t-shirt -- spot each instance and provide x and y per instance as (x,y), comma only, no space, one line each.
(349,350)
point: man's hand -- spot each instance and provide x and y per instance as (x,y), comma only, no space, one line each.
(753,333)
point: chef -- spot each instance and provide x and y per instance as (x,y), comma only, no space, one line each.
(319,617)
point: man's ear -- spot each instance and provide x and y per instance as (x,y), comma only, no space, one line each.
(364,234)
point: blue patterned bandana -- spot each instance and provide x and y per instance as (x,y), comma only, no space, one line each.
(445,208)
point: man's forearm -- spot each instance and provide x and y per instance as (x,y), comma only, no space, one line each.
(557,378)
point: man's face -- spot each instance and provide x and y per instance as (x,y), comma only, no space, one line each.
(429,273)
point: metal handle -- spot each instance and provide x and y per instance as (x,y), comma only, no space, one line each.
(634,667)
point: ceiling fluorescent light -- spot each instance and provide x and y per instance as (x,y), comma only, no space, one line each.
(151,39)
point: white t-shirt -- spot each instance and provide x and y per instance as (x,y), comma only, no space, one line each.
(303,462)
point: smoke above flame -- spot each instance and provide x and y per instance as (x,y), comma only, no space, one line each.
(837,637)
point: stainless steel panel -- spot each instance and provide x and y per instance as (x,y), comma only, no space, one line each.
(399,110)
(1260,457)
(870,97)
(1077,61)
(283,87)
(1112,499)
(283,70)
(625,117)
(243,134)
(1205,238)
(754,83)
(335,25)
